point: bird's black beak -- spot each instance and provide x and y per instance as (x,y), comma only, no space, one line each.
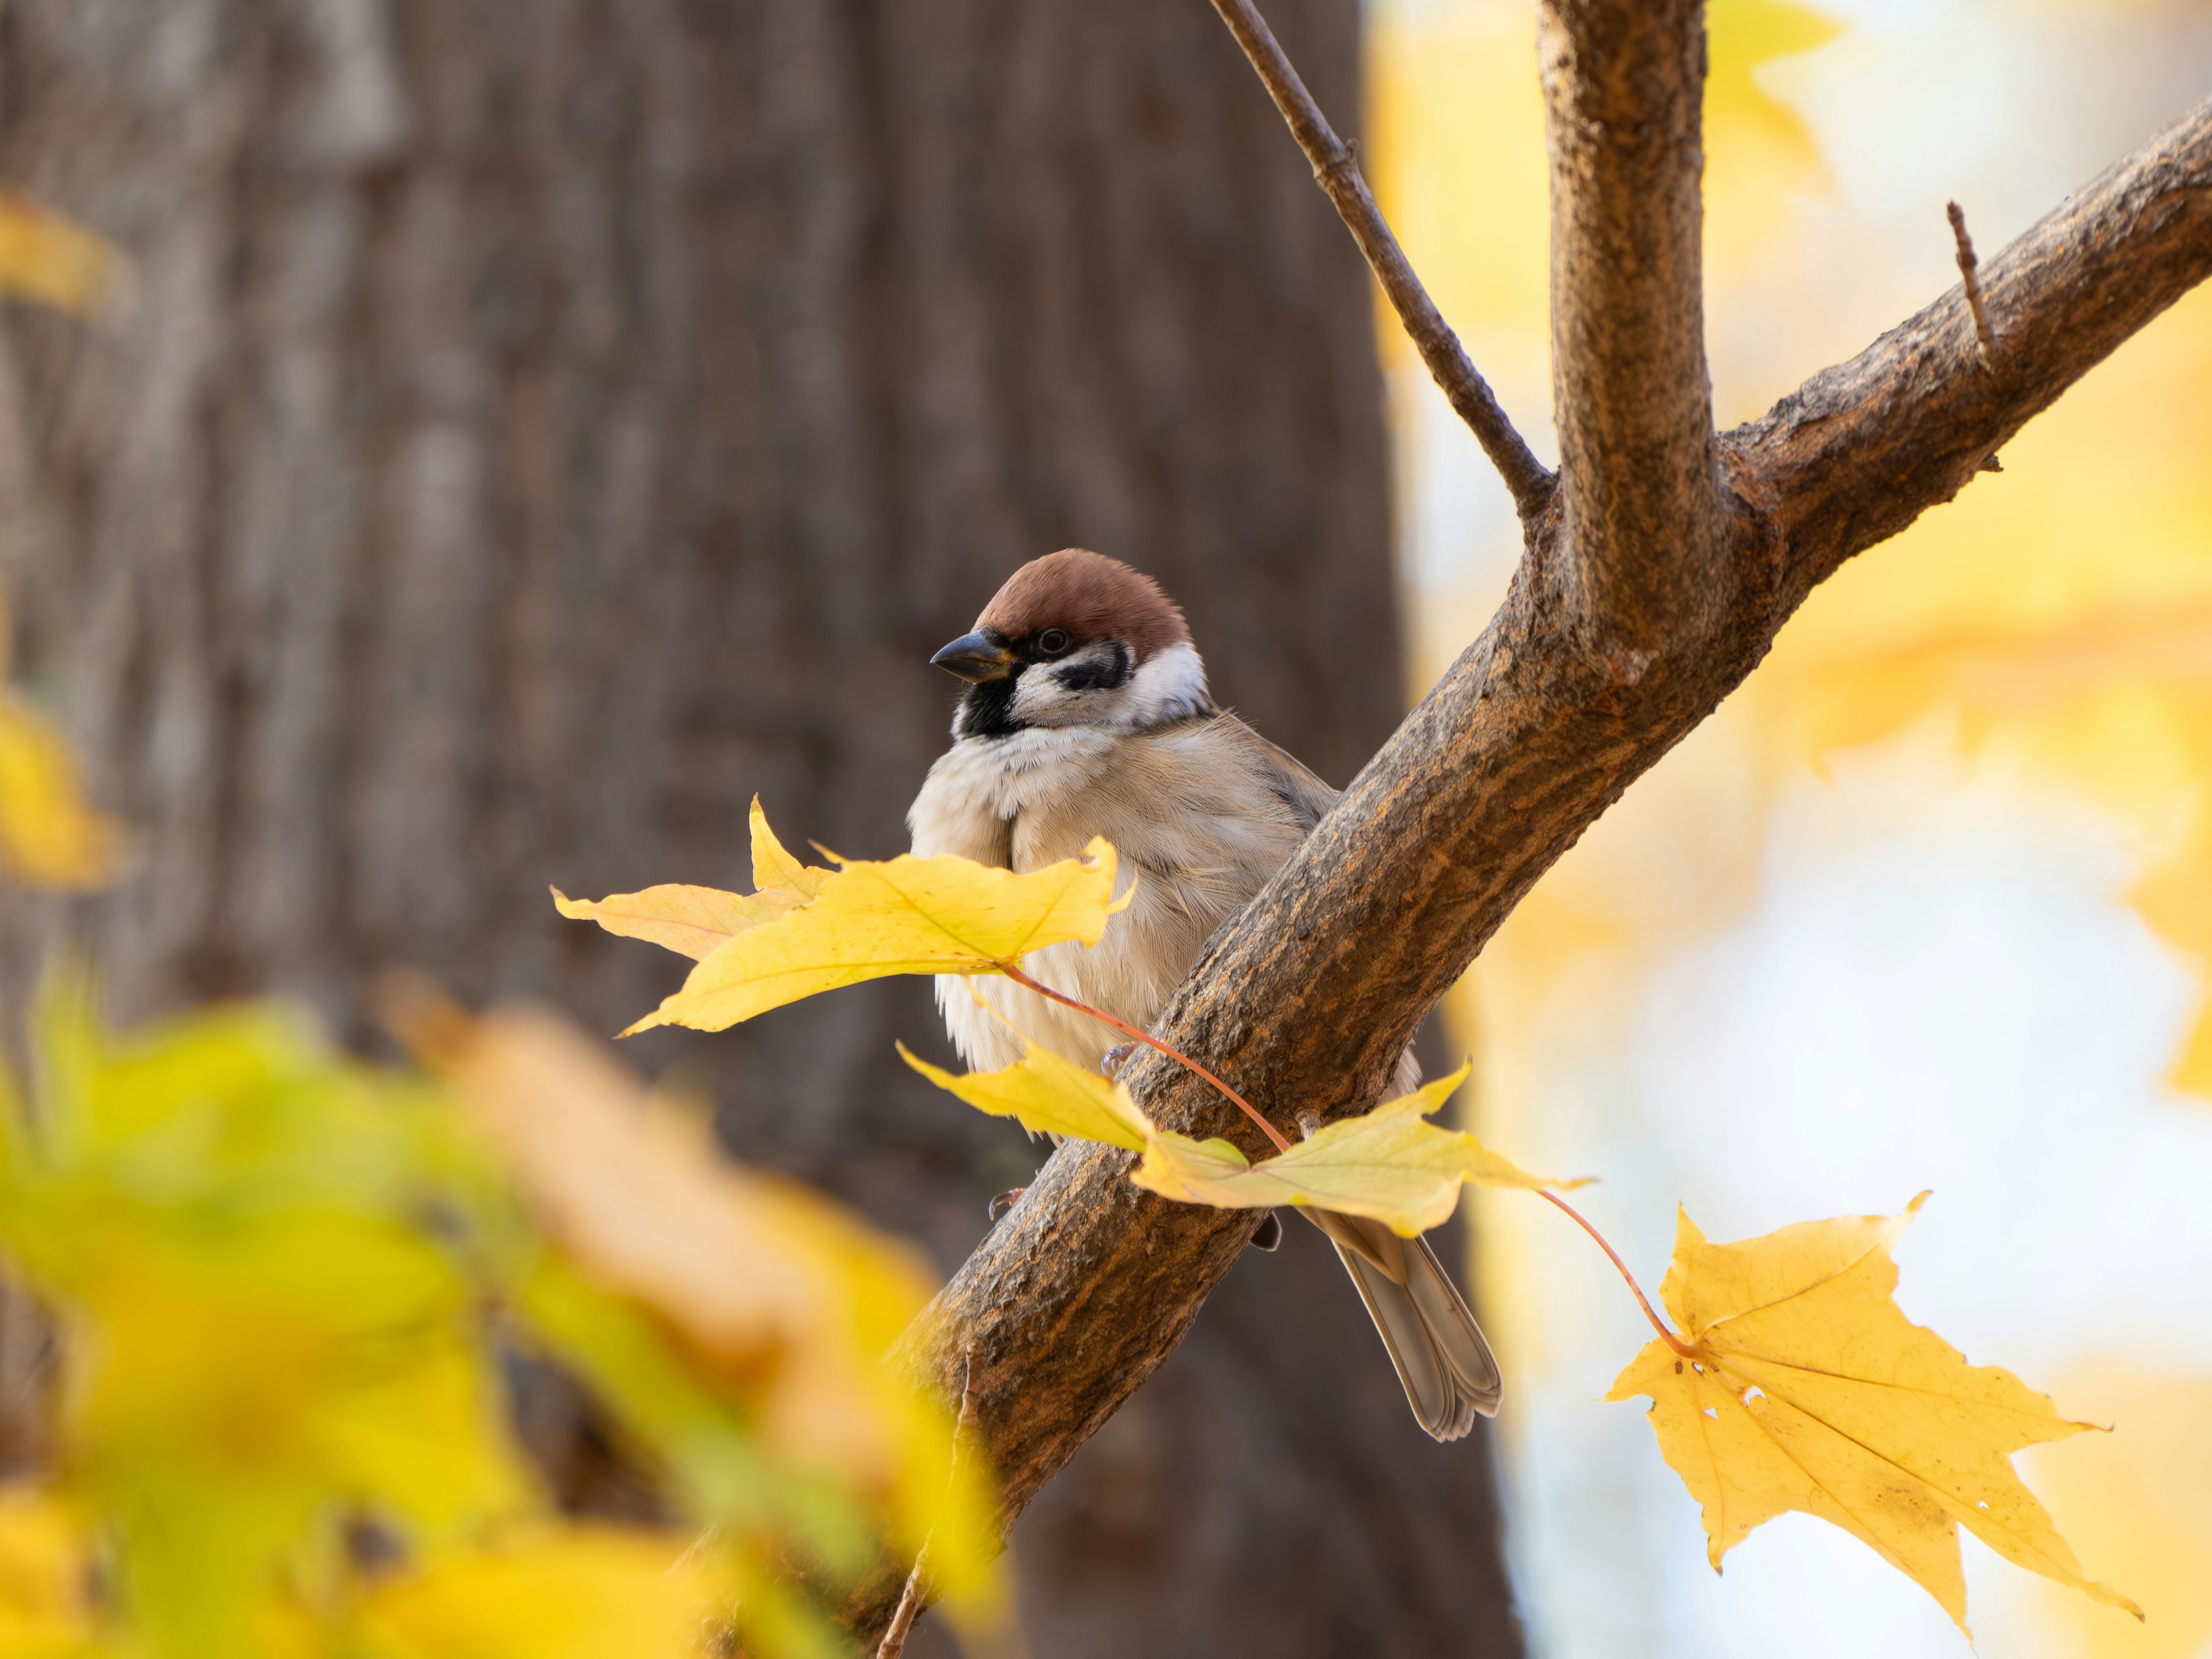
(975,658)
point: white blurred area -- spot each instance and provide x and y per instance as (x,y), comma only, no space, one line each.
(1774,986)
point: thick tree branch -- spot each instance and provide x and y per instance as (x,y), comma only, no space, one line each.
(1624,92)
(1337,171)
(1305,998)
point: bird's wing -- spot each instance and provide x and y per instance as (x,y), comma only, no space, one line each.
(1293,783)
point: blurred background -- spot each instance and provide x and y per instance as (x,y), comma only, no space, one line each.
(1929,903)
(534,429)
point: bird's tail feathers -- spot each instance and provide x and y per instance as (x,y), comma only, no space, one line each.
(1445,1366)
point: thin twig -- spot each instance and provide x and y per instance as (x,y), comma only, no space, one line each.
(1337,171)
(911,1598)
(910,1608)
(1635,1289)
(1985,337)
(1178,1054)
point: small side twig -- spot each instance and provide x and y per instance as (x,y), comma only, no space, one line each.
(1985,337)
(913,1597)
(909,1609)
(1337,171)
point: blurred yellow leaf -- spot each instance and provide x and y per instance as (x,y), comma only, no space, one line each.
(275,1274)
(636,1192)
(45,1576)
(577,1592)
(2143,1496)
(910,915)
(1048,1094)
(1758,152)
(693,921)
(45,257)
(49,836)
(1742,37)
(779,1293)
(1807,1388)
(257,1326)
(1391,1164)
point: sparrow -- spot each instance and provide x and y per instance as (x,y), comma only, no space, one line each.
(1086,712)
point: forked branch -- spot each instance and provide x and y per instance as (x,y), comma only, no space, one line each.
(1308,996)
(1336,169)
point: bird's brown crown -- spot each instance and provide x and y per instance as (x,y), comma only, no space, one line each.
(1089,595)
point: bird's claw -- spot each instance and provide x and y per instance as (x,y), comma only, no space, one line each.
(1004,1202)
(1268,1235)
(1116,1058)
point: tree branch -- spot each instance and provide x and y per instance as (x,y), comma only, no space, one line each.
(1304,999)
(1624,93)
(1337,171)
(1860,450)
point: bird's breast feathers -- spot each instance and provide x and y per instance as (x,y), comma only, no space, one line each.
(1201,812)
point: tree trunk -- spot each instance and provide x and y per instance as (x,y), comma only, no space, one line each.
(540,425)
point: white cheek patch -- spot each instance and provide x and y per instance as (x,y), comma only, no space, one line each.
(1044,696)
(1171,686)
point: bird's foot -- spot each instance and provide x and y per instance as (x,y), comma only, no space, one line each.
(1004,1202)
(1116,1058)
(1269,1236)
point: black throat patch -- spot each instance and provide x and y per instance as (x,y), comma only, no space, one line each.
(986,710)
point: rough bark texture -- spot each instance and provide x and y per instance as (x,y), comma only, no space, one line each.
(1624,90)
(1303,998)
(544,423)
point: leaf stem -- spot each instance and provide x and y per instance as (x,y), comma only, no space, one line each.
(1127,1029)
(1636,1290)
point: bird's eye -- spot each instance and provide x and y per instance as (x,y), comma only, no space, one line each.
(1053,641)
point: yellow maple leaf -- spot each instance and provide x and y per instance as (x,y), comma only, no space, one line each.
(44,256)
(776,870)
(1391,1164)
(1049,1094)
(693,921)
(864,920)
(1806,1388)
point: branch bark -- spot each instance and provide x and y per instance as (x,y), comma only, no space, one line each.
(1648,535)
(1336,169)
(1304,999)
